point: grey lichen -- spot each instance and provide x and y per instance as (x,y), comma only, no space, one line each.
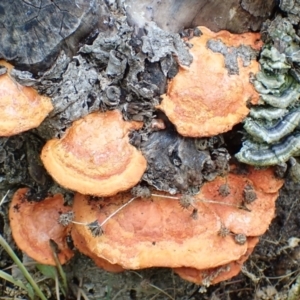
(292,8)
(158,43)
(294,170)
(231,55)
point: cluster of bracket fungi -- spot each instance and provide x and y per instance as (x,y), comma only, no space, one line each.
(123,135)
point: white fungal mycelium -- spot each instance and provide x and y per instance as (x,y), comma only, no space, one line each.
(273,127)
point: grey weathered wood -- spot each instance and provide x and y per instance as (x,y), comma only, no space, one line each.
(32,33)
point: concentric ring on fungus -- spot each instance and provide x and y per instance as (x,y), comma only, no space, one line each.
(94,156)
(218,274)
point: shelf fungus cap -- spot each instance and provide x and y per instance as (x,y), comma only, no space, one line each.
(154,232)
(34,224)
(218,274)
(254,217)
(21,107)
(79,243)
(207,98)
(158,232)
(94,156)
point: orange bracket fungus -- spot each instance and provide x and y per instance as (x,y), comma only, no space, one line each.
(94,156)
(21,107)
(218,274)
(35,224)
(211,96)
(215,230)
(79,241)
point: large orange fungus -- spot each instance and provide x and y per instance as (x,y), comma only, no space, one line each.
(158,232)
(204,99)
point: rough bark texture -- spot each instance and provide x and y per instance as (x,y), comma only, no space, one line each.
(33,33)
(183,164)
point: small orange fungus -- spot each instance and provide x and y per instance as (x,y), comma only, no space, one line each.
(34,224)
(21,107)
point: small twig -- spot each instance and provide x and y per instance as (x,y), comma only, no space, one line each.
(83,294)
(80,291)
(117,294)
(4,197)
(283,276)
(79,223)
(226,204)
(204,201)
(161,291)
(28,264)
(95,227)
(78,294)
(115,212)
(165,196)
